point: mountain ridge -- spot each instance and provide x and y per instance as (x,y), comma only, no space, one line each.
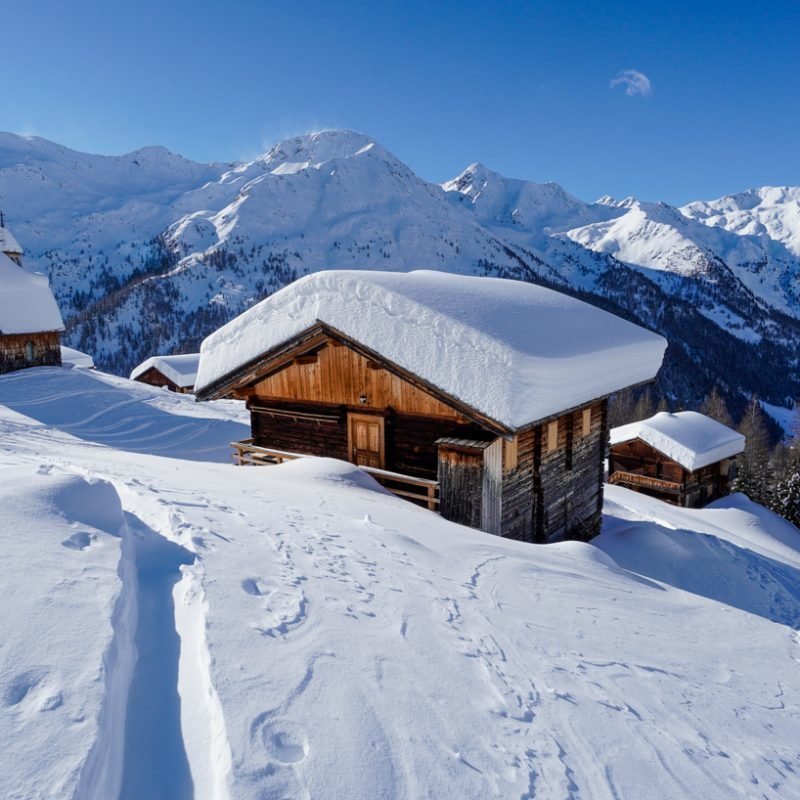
(148,252)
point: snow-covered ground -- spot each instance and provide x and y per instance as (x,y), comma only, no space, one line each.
(302,634)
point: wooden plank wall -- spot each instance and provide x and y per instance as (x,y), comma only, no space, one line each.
(461,485)
(301,435)
(638,456)
(13,355)
(340,376)
(519,490)
(411,443)
(568,483)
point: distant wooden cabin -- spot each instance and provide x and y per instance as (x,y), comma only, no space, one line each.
(684,458)
(30,322)
(176,373)
(492,391)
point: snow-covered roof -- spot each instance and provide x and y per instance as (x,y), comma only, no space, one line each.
(8,244)
(180,369)
(76,358)
(514,352)
(692,440)
(26,303)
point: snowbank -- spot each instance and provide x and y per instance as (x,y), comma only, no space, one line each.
(514,351)
(692,440)
(336,641)
(76,358)
(66,631)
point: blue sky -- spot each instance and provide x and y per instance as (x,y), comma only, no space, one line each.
(523,87)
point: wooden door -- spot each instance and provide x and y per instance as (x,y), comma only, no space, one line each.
(365,433)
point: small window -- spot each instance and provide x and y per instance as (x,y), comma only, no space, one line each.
(30,351)
(552,436)
(511,456)
(587,422)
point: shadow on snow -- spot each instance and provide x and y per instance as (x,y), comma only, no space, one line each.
(96,410)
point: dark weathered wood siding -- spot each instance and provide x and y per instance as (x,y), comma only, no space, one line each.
(14,350)
(325,436)
(519,490)
(567,480)
(411,442)
(461,484)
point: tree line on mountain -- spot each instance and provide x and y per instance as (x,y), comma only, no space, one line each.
(768,471)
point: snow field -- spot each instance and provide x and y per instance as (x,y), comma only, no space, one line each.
(336,641)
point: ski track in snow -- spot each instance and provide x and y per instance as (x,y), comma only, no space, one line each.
(337,642)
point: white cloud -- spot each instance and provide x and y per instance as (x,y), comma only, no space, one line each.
(635,82)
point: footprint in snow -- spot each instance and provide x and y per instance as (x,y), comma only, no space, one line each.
(287,746)
(20,686)
(253,586)
(29,690)
(79,541)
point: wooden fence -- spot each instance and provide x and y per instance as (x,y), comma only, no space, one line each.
(419,490)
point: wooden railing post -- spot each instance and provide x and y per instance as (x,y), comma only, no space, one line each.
(422,490)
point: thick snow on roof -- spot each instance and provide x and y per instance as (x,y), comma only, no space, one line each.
(26,303)
(513,351)
(180,369)
(8,244)
(76,358)
(693,440)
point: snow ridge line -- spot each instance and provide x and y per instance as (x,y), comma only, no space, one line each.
(204,733)
(101,776)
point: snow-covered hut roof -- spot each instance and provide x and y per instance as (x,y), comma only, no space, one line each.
(26,303)
(512,351)
(8,244)
(76,358)
(692,440)
(180,369)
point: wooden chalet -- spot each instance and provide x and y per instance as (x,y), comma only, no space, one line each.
(176,373)
(483,396)
(30,322)
(684,458)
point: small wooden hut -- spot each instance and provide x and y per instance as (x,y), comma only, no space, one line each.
(176,373)
(491,392)
(30,322)
(684,458)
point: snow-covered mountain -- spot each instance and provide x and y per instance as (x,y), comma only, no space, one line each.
(148,252)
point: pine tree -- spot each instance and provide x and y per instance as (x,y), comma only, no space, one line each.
(753,476)
(620,409)
(645,407)
(786,496)
(714,406)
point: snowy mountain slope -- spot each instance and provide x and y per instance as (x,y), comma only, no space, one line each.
(771,211)
(149,252)
(333,640)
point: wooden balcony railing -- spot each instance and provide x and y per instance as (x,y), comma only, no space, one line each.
(634,480)
(420,490)
(644,481)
